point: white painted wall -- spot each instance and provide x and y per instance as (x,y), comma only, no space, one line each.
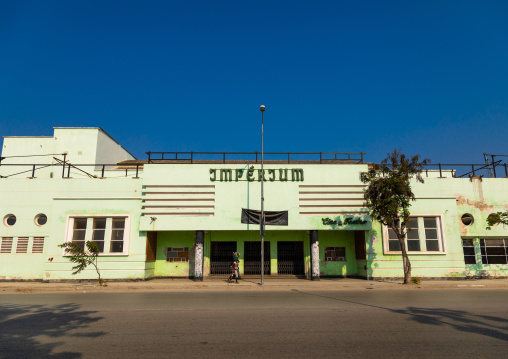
(109,151)
(82,146)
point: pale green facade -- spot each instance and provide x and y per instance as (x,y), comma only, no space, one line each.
(149,215)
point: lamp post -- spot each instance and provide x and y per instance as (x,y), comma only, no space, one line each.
(262,219)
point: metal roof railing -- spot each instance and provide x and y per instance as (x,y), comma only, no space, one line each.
(256,156)
(492,170)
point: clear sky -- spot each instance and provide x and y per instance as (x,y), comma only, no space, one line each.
(430,77)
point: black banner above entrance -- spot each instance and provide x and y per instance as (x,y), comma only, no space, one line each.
(272,218)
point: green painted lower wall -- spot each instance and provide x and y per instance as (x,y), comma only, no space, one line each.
(162,268)
(337,239)
(271,237)
(376,265)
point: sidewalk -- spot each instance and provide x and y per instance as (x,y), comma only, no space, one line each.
(219,284)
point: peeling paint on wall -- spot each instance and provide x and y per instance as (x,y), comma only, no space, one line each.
(481,204)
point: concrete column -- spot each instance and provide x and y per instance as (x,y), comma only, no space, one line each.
(314,255)
(198,266)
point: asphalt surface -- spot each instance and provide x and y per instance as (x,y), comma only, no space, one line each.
(292,323)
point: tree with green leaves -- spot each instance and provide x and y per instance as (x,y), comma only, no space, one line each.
(388,195)
(496,218)
(83,258)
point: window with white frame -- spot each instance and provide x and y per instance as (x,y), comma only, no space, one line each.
(424,235)
(110,233)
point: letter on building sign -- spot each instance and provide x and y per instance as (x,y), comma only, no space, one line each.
(297,174)
(283,174)
(272,175)
(238,174)
(228,175)
(329,222)
(212,174)
(250,175)
(261,175)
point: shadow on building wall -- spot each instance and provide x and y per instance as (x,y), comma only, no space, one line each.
(371,254)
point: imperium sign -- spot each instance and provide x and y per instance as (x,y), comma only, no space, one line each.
(251,175)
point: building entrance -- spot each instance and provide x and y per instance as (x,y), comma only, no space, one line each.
(252,258)
(290,258)
(221,256)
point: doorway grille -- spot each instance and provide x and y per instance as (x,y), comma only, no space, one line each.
(252,257)
(221,257)
(290,258)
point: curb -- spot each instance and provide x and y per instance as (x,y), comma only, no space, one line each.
(167,285)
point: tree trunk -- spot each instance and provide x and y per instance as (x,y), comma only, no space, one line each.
(98,273)
(405,260)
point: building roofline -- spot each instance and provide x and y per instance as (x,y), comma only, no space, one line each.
(100,129)
(77,127)
(27,136)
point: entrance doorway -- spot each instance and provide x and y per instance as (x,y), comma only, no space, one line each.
(290,258)
(221,256)
(252,258)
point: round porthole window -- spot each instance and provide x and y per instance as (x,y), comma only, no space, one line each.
(467,219)
(10,220)
(41,219)
(493,216)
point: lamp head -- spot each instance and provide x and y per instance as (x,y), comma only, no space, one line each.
(262,108)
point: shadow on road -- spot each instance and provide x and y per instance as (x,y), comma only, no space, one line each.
(32,331)
(457,319)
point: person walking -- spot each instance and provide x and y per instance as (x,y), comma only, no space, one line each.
(235,271)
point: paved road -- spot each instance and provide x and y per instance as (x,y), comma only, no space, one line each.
(251,324)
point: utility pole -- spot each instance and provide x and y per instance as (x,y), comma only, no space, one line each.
(262,219)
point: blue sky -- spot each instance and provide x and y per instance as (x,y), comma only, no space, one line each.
(430,77)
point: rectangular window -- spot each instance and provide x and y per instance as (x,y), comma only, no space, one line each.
(469,251)
(393,241)
(335,254)
(6,245)
(431,234)
(413,235)
(494,251)
(22,245)
(108,232)
(99,231)
(79,232)
(38,245)
(177,254)
(423,234)
(117,232)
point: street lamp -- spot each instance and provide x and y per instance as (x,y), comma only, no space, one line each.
(262,219)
